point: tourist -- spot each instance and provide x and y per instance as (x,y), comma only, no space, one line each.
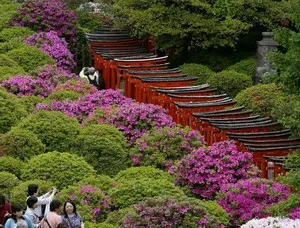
(17,219)
(53,218)
(32,203)
(5,210)
(70,216)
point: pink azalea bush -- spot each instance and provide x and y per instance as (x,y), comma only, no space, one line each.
(78,86)
(55,47)
(135,119)
(206,170)
(46,16)
(162,147)
(86,105)
(41,83)
(93,205)
(251,198)
(295,213)
(168,212)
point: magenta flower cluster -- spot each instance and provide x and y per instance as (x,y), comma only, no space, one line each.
(163,147)
(295,213)
(55,47)
(86,105)
(42,84)
(79,86)
(46,16)
(206,170)
(135,119)
(168,212)
(248,199)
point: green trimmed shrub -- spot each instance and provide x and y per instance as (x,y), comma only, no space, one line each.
(261,98)
(61,95)
(19,193)
(92,203)
(6,72)
(11,110)
(11,165)
(104,147)
(7,182)
(200,71)
(117,217)
(7,12)
(135,173)
(63,169)
(10,45)
(22,144)
(5,2)
(99,225)
(230,82)
(56,130)
(15,33)
(31,101)
(130,192)
(245,66)
(282,209)
(29,57)
(6,60)
(102,182)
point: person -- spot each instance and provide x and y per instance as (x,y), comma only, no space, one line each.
(52,219)
(70,216)
(84,73)
(43,200)
(32,203)
(5,210)
(93,76)
(17,219)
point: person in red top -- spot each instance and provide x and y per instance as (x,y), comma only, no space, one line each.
(5,210)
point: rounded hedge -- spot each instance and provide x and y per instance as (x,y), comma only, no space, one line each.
(200,71)
(99,225)
(61,95)
(10,45)
(19,193)
(6,72)
(7,182)
(63,169)
(92,203)
(174,212)
(229,82)
(102,182)
(130,192)
(56,130)
(163,147)
(116,217)
(103,154)
(11,33)
(7,12)
(245,66)
(29,58)
(135,173)
(261,98)
(31,101)
(22,144)
(7,61)
(11,165)
(11,110)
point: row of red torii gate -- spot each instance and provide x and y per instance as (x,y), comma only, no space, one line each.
(131,64)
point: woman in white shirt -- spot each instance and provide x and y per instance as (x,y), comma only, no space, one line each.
(33,190)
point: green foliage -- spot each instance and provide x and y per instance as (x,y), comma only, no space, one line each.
(283,208)
(63,169)
(117,217)
(21,143)
(99,225)
(6,72)
(15,33)
(89,200)
(102,182)
(130,192)
(287,112)
(19,193)
(88,21)
(214,209)
(7,12)
(202,72)
(56,130)
(104,147)
(261,98)
(6,60)
(245,66)
(29,57)
(11,165)
(10,45)
(11,111)
(141,172)
(229,82)
(7,182)
(74,3)
(179,24)
(31,101)
(61,95)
